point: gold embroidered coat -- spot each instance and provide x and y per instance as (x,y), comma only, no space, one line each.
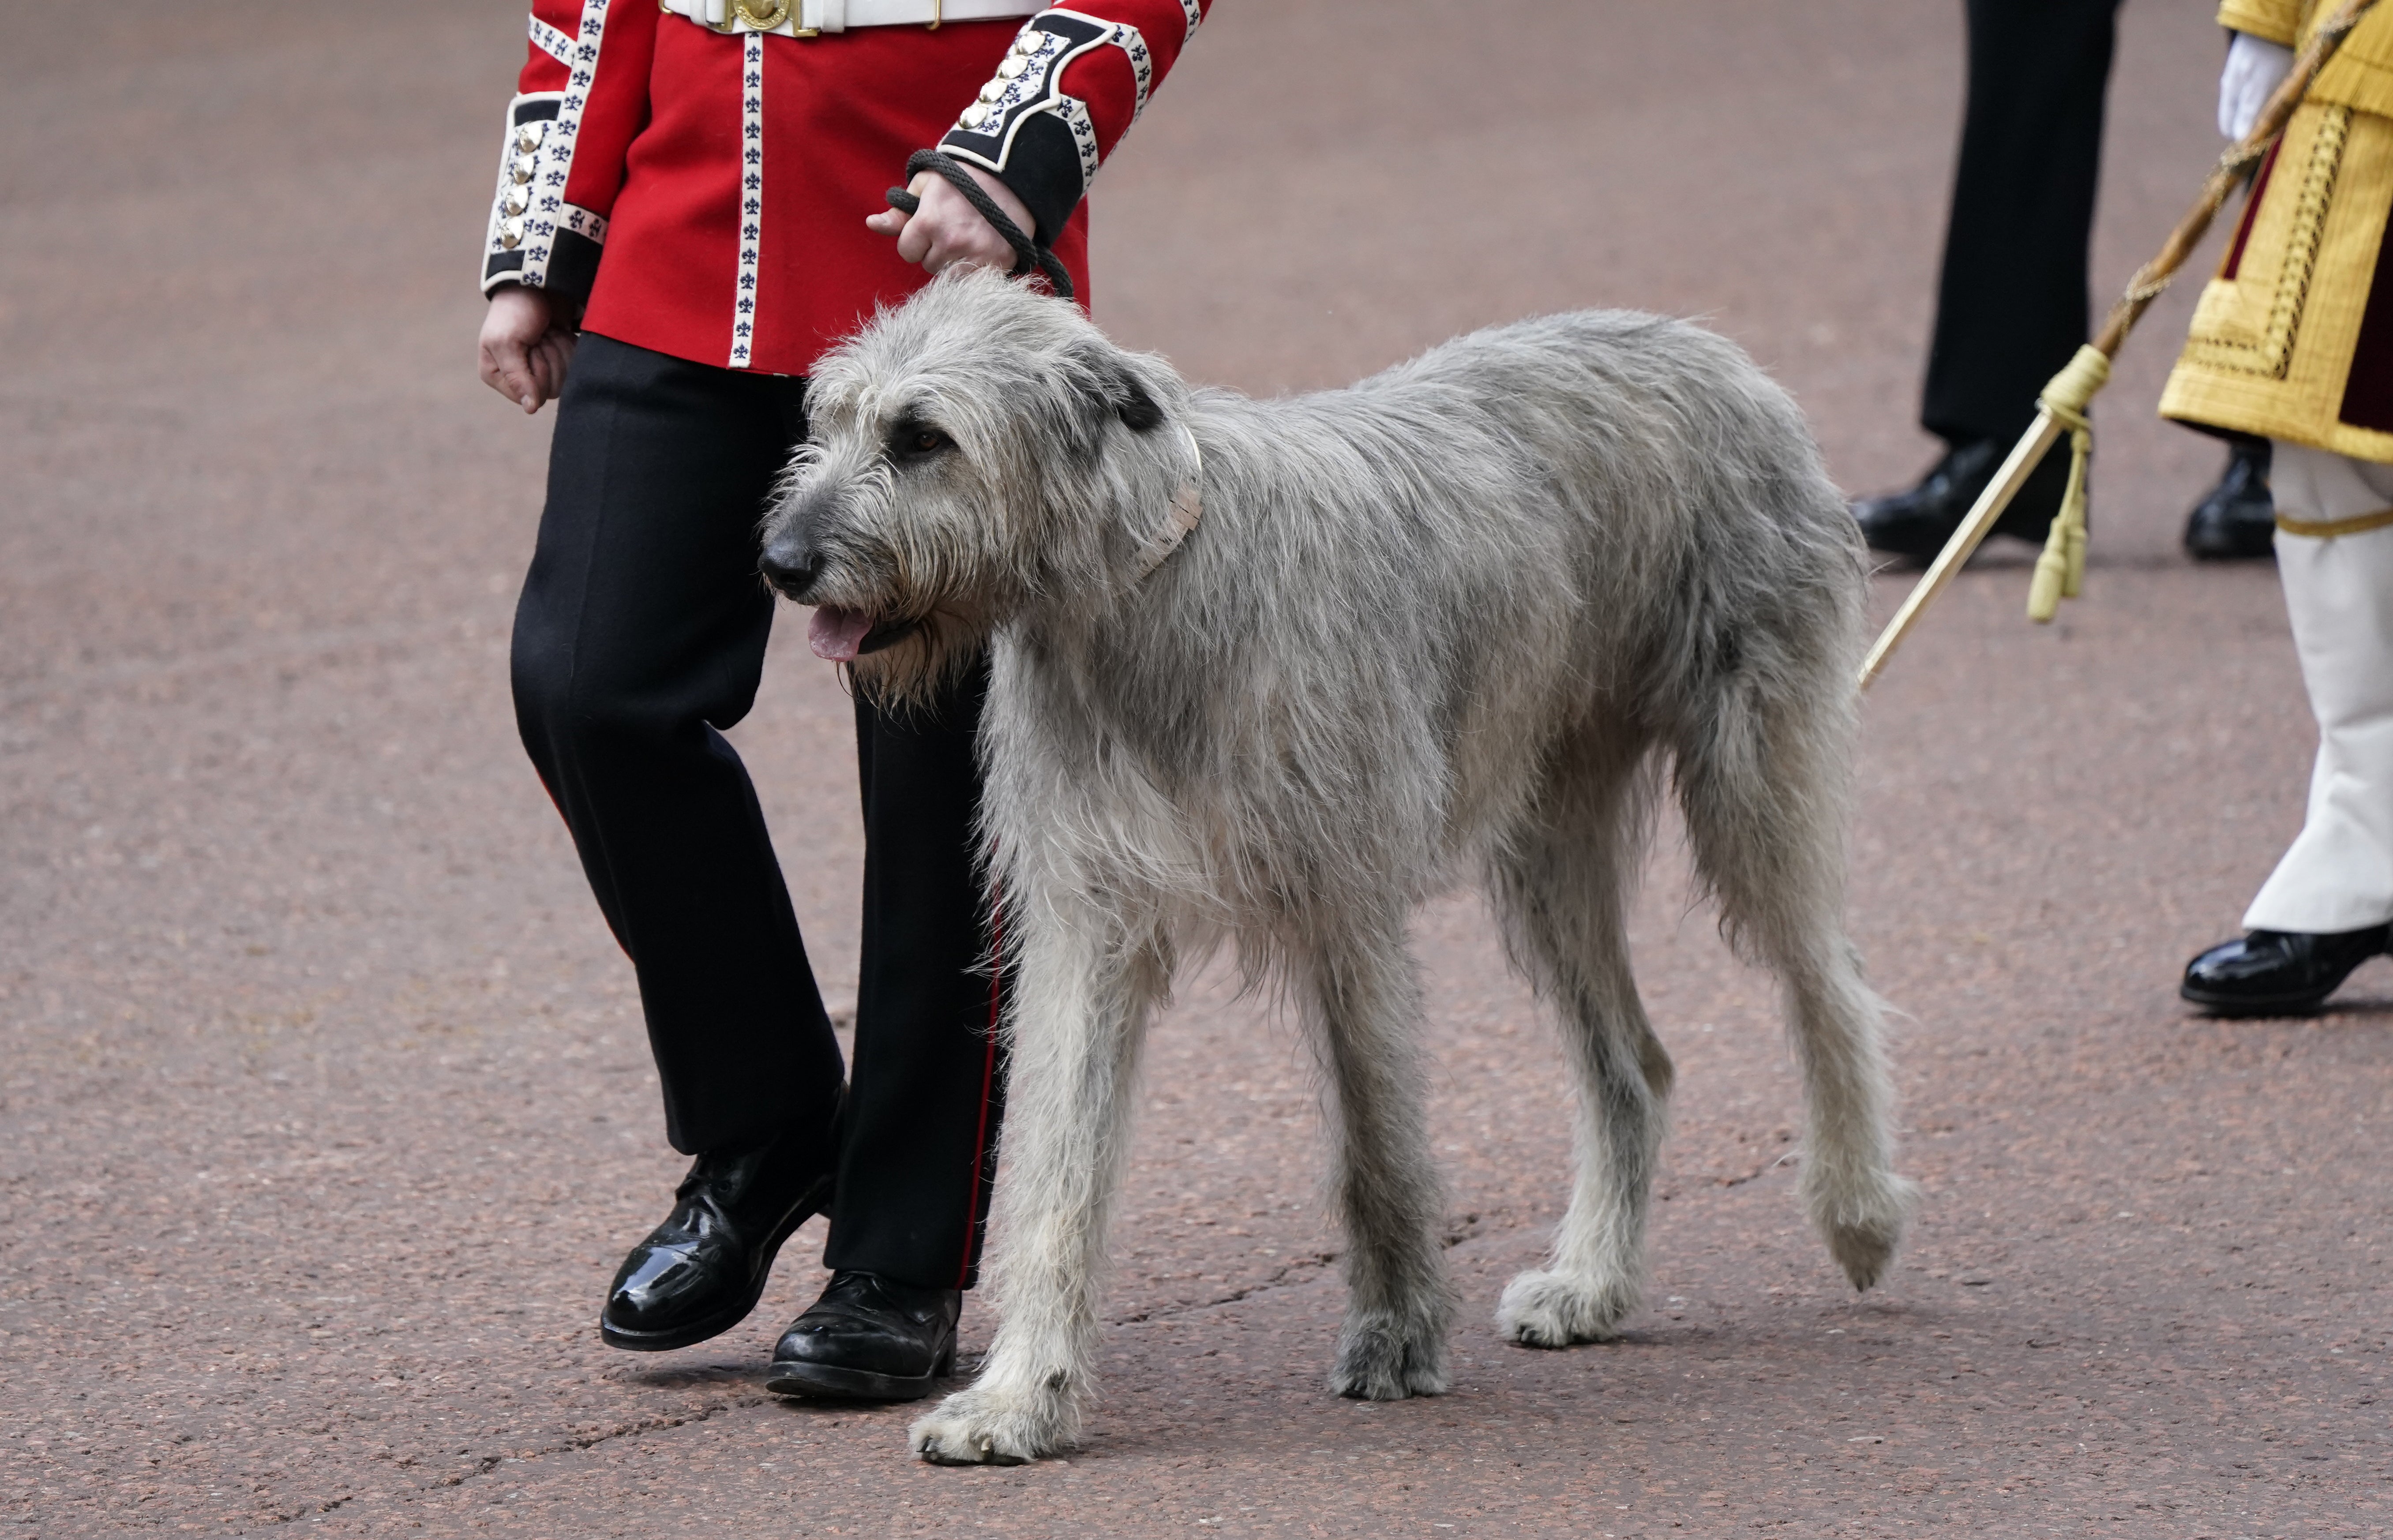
(2294,337)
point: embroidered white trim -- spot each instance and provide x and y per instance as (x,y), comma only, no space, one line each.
(1075,113)
(1141,63)
(752,199)
(583,222)
(1196,14)
(1039,59)
(518,186)
(807,17)
(577,89)
(1041,55)
(552,42)
(537,159)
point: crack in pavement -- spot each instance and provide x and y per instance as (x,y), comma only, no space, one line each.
(571,1445)
(1295,1273)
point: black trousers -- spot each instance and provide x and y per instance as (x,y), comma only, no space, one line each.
(639,637)
(2012,308)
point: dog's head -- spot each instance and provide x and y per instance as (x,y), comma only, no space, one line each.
(981,449)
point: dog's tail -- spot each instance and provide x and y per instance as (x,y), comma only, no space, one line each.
(1762,740)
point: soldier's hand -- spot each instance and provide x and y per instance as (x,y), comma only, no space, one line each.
(526,346)
(946,230)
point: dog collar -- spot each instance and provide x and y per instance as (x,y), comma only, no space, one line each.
(1187,507)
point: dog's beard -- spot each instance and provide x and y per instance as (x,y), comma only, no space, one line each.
(914,666)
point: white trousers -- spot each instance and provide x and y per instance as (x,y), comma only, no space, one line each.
(2339,874)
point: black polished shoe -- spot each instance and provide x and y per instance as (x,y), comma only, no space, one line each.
(2278,973)
(1916,522)
(700,1272)
(869,1339)
(2238,521)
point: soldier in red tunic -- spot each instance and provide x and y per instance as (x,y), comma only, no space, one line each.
(689,210)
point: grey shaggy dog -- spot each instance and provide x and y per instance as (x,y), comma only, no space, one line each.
(1449,621)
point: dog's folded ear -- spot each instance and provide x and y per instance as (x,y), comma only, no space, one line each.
(1118,388)
(1136,405)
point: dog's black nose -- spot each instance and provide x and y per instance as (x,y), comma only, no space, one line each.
(791,571)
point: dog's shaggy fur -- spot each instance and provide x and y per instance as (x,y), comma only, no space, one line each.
(1448,622)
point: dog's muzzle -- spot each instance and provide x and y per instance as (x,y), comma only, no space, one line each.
(791,573)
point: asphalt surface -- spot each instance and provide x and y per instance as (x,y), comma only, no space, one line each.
(325,1111)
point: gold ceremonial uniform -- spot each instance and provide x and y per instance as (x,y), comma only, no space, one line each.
(2293,338)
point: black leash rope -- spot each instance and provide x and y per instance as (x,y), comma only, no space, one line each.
(1027,254)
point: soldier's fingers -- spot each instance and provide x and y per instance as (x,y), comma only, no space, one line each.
(506,371)
(916,240)
(917,232)
(541,367)
(971,240)
(980,247)
(887,222)
(524,383)
(553,356)
(948,254)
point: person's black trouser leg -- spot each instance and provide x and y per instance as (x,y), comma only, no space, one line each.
(2012,308)
(640,636)
(926,1015)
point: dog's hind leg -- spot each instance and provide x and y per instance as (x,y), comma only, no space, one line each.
(1084,985)
(1762,779)
(1562,885)
(1365,1005)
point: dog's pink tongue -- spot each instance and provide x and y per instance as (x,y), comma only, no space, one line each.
(836,633)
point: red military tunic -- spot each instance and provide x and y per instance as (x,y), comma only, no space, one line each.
(706,192)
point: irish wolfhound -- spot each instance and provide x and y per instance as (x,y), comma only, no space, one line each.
(1448,620)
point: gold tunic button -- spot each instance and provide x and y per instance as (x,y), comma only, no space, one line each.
(511,233)
(989,92)
(977,114)
(521,169)
(516,201)
(1012,68)
(528,137)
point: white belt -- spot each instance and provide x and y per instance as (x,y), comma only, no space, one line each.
(809,17)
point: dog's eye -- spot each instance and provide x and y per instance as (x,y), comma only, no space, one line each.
(917,440)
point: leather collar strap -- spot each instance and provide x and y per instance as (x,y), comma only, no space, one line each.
(1187,507)
(812,18)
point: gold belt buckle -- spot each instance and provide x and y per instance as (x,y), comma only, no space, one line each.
(761,16)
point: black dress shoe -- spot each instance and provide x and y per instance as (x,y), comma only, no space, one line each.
(869,1339)
(1916,522)
(2278,973)
(700,1272)
(2238,521)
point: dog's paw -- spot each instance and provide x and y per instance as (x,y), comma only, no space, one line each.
(1555,1310)
(986,1426)
(1863,1225)
(1383,1358)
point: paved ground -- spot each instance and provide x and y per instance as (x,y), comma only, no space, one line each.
(324,1111)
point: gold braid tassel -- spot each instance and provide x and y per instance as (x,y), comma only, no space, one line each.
(2060,571)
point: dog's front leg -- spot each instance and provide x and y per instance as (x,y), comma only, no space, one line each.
(1084,987)
(1367,1009)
